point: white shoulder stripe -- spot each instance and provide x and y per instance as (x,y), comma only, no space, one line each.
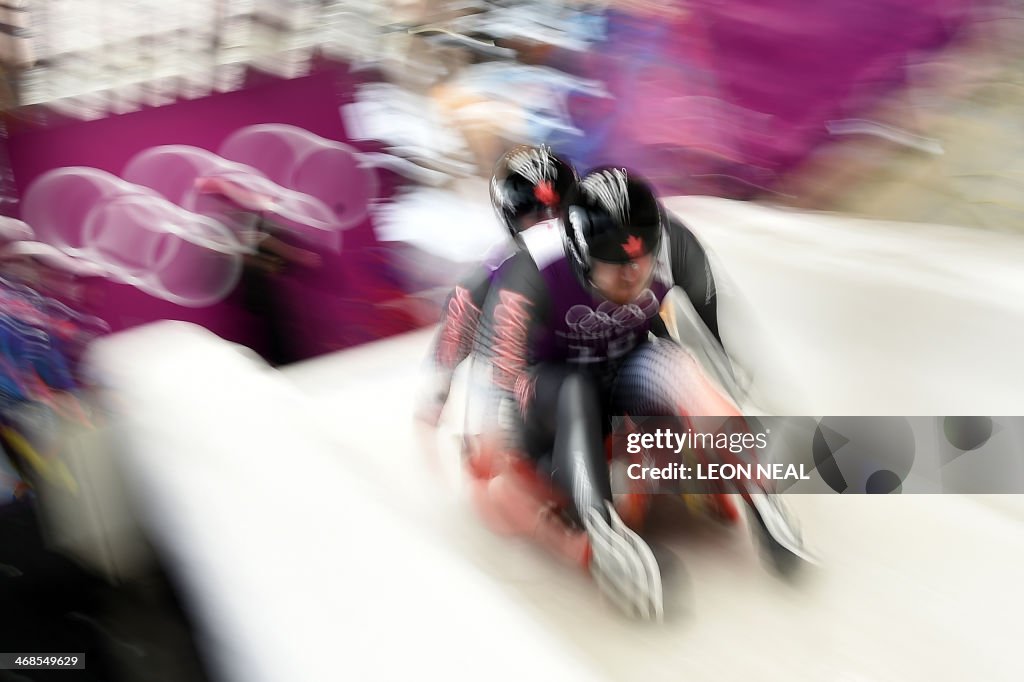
(544,242)
(663,265)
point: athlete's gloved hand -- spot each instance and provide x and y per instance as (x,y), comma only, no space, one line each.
(623,566)
(778,532)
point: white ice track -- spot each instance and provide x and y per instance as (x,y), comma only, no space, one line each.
(318,543)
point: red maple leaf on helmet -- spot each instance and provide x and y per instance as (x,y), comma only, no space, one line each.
(634,246)
(545,193)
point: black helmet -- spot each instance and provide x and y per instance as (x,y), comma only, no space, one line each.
(530,180)
(613,216)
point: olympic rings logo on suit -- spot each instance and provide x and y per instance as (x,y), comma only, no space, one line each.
(610,318)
